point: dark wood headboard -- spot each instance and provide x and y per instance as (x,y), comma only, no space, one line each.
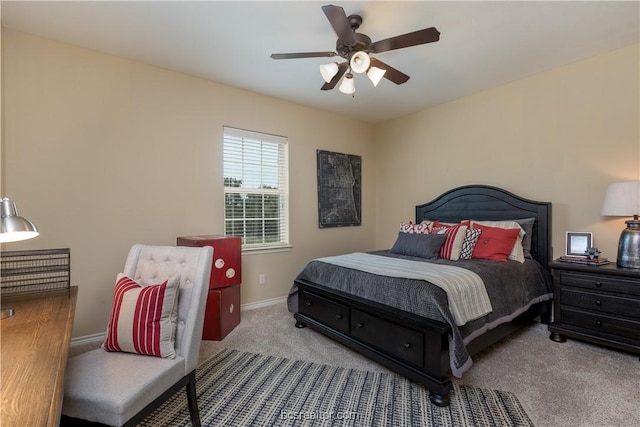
(486,203)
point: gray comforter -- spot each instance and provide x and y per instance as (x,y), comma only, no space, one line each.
(512,287)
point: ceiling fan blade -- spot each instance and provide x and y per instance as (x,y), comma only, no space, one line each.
(334,81)
(398,77)
(338,20)
(302,55)
(428,35)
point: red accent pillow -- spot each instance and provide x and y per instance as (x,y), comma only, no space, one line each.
(143,318)
(494,243)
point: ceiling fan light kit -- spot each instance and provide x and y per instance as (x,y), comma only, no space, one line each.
(347,87)
(328,71)
(360,62)
(356,49)
(375,74)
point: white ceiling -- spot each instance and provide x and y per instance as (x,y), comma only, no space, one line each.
(482,44)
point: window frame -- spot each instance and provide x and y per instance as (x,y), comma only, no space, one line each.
(234,141)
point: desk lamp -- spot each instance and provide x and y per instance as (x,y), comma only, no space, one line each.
(13,228)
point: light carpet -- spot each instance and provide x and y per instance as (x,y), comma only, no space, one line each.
(246,389)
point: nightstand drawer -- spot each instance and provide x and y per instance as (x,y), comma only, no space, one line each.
(601,323)
(600,282)
(606,303)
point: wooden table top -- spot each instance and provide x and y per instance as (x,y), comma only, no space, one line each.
(34,350)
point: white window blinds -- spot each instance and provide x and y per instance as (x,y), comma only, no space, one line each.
(256,188)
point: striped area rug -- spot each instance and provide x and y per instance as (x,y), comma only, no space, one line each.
(245,389)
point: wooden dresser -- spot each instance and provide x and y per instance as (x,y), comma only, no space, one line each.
(600,305)
(35,346)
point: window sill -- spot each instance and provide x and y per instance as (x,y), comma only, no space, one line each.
(258,251)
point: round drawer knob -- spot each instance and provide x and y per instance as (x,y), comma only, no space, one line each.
(598,284)
(407,345)
(598,322)
(308,303)
(360,325)
(338,316)
(598,302)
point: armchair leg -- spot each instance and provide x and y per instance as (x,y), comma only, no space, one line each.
(192,400)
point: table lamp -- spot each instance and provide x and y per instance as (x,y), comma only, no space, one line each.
(623,199)
(13,228)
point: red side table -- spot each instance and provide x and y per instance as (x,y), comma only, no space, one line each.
(222,314)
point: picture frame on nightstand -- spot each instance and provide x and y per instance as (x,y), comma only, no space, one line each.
(578,243)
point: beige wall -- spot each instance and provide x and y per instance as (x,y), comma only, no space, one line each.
(560,136)
(102,153)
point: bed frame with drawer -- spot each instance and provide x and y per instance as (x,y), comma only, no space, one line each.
(411,345)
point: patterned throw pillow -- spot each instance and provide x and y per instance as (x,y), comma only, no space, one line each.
(143,318)
(411,228)
(469,243)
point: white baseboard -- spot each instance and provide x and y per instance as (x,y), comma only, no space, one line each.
(263,303)
(99,338)
(88,339)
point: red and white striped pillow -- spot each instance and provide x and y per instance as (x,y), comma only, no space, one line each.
(143,318)
(456,234)
(453,245)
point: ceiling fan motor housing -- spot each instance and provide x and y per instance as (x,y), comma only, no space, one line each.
(362,43)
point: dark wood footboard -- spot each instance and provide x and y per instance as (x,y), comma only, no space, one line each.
(411,345)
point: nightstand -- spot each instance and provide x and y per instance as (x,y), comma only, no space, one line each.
(597,304)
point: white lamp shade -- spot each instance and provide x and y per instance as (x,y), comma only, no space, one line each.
(360,62)
(375,74)
(622,199)
(347,86)
(328,71)
(13,227)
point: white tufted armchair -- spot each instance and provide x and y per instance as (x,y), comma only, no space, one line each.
(116,388)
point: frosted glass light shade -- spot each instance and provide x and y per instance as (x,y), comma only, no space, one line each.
(347,86)
(360,62)
(375,74)
(328,71)
(13,227)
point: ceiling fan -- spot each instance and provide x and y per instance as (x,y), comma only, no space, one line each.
(356,49)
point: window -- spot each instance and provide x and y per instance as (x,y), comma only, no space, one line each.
(256,188)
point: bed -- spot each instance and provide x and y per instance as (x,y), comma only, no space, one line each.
(408,324)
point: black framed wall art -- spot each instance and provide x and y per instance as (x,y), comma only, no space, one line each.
(339,189)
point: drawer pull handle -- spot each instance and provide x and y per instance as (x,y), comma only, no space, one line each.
(598,322)
(598,284)
(308,304)
(338,316)
(598,302)
(360,325)
(407,345)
